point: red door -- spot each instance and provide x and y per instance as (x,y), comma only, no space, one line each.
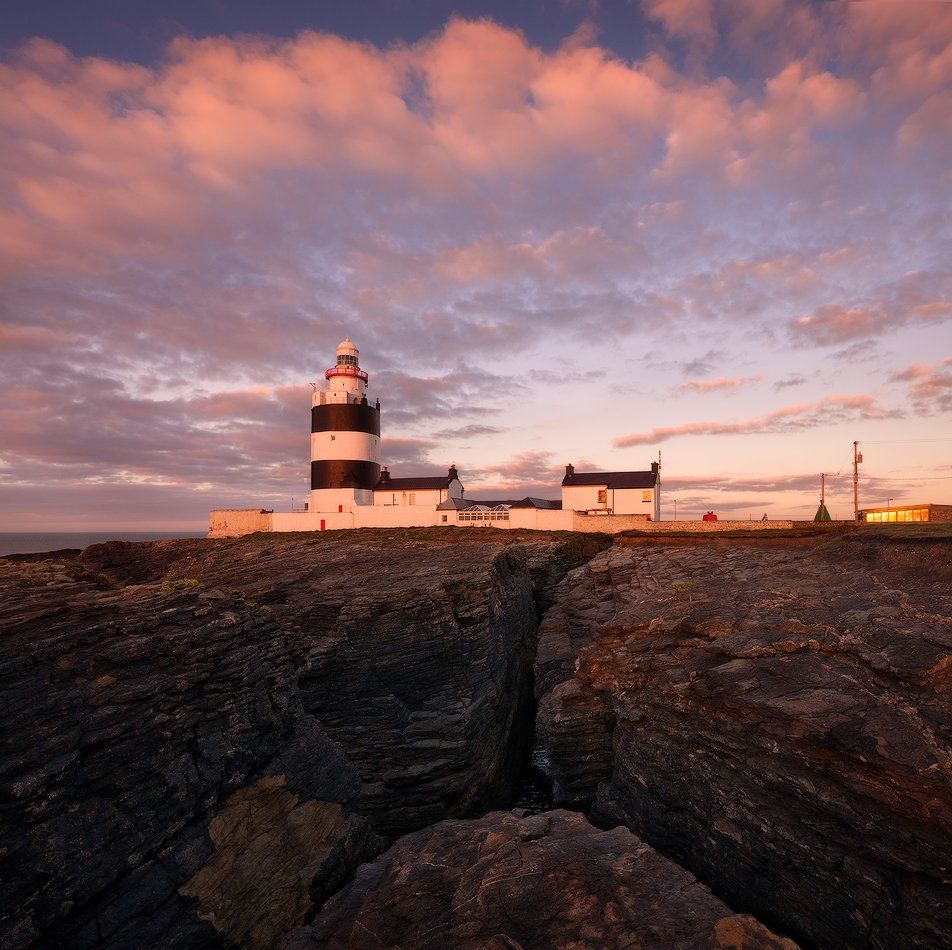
(323,525)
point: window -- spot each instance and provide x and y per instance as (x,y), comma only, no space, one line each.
(646,495)
(495,514)
(603,496)
(412,498)
(898,516)
(333,438)
(403,498)
(444,518)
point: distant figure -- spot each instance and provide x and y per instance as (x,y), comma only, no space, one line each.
(710,516)
(764,517)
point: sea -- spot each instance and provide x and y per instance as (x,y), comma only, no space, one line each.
(37,542)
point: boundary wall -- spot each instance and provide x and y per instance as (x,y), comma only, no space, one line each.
(234,522)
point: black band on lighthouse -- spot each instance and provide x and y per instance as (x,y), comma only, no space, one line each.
(345,417)
(344,473)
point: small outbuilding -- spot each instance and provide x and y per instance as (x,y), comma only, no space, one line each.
(900,514)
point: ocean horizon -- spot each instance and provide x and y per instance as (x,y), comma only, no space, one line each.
(37,542)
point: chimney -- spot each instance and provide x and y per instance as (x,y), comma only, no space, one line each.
(453,473)
(654,468)
(385,474)
(569,469)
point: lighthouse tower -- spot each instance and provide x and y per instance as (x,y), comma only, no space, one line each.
(345,437)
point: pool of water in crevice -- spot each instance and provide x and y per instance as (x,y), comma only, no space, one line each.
(533,789)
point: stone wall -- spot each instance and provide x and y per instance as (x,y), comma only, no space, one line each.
(233,522)
(612,524)
(940,513)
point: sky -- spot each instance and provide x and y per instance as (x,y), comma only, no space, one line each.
(558,232)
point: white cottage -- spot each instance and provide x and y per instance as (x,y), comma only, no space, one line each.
(429,490)
(613,493)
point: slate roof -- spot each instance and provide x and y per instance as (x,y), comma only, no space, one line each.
(414,484)
(529,502)
(612,479)
(455,504)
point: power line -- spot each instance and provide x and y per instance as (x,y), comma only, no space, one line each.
(900,441)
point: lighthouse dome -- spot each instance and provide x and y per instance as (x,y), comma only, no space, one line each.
(346,348)
(347,353)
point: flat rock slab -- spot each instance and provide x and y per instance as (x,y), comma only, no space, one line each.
(549,880)
(775,716)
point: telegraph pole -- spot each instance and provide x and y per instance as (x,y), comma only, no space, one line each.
(822,488)
(857,458)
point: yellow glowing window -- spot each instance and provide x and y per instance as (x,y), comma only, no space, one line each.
(646,495)
(602,496)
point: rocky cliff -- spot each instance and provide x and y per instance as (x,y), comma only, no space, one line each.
(549,880)
(202,739)
(775,716)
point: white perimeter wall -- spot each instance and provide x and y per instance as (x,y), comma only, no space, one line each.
(229,523)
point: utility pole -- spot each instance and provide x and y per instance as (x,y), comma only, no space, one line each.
(822,488)
(857,458)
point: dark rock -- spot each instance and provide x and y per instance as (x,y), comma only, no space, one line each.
(183,771)
(548,880)
(774,718)
(61,554)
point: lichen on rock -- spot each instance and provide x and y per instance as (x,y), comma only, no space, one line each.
(269,847)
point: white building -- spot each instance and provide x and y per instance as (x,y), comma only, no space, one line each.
(427,490)
(349,489)
(613,493)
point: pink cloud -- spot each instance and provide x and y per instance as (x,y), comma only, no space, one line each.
(916,299)
(930,387)
(730,383)
(801,416)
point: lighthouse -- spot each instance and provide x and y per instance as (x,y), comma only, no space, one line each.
(345,437)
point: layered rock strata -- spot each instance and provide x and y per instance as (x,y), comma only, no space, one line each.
(202,739)
(549,880)
(774,717)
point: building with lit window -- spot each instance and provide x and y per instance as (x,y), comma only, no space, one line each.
(613,493)
(903,514)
